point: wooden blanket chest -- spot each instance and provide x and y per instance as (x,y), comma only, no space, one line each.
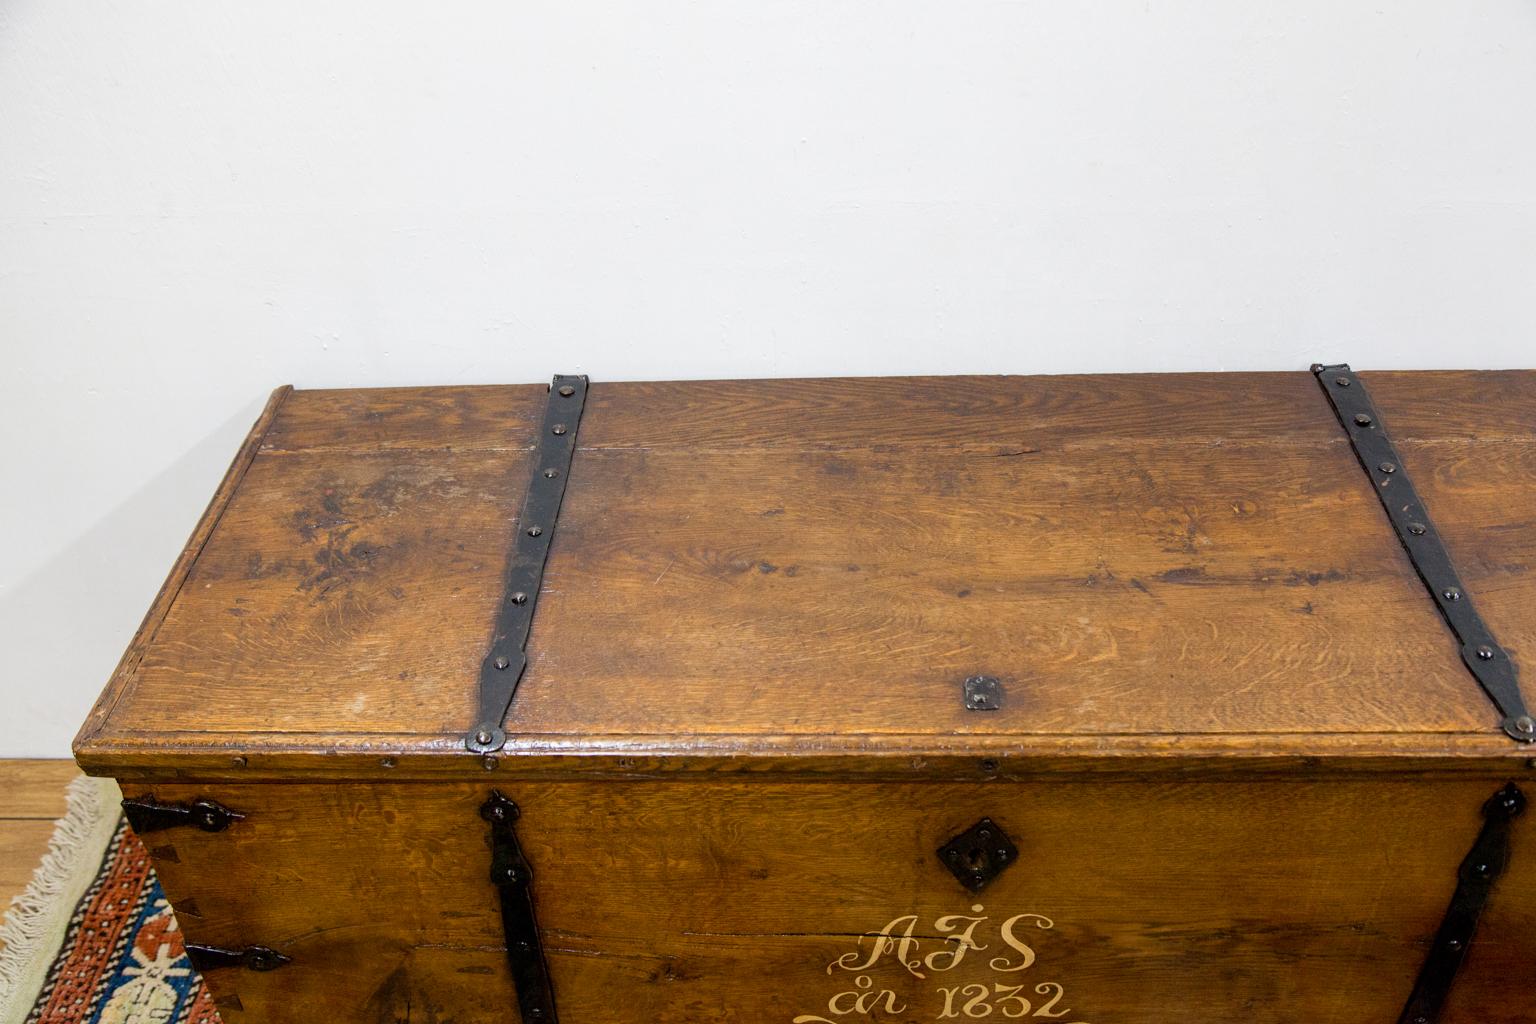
(1098,700)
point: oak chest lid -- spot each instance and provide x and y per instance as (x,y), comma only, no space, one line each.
(904,575)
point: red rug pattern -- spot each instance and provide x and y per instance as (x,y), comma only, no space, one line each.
(123,961)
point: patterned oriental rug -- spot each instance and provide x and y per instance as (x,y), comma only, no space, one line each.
(92,940)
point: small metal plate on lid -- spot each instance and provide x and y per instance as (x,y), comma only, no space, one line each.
(983,693)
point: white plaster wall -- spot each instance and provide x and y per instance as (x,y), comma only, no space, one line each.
(201,200)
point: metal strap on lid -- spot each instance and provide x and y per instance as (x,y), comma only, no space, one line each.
(1489,663)
(507,657)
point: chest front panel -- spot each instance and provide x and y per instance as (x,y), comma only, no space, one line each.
(803,903)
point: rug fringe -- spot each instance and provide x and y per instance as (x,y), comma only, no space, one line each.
(38,920)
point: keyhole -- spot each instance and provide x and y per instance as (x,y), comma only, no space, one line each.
(976,856)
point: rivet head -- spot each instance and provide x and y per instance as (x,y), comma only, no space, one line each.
(1485,653)
(488,762)
(566,391)
(550,474)
(1342,382)
(559,430)
(239,761)
(1388,467)
(501,662)
(1482,870)
(1451,594)
(989,765)
(387,762)
(519,598)
(483,737)
(1417,529)
(534,531)
(1363,419)
(1526,725)
(1454,945)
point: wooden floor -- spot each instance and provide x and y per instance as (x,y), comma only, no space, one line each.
(31,799)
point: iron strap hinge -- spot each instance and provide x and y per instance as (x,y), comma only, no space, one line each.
(149,815)
(1489,663)
(507,658)
(513,879)
(252,958)
(1475,881)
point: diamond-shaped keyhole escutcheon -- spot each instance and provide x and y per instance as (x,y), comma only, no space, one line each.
(979,854)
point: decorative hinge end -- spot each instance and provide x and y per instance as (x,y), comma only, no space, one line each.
(1521,727)
(486,738)
(500,809)
(1505,805)
(252,958)
(499,677)
(149,815)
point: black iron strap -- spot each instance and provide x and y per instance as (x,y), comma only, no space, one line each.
(1489,663)
(514,881)
(147,815)
(1475,882)
(252,958)
(507,658)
